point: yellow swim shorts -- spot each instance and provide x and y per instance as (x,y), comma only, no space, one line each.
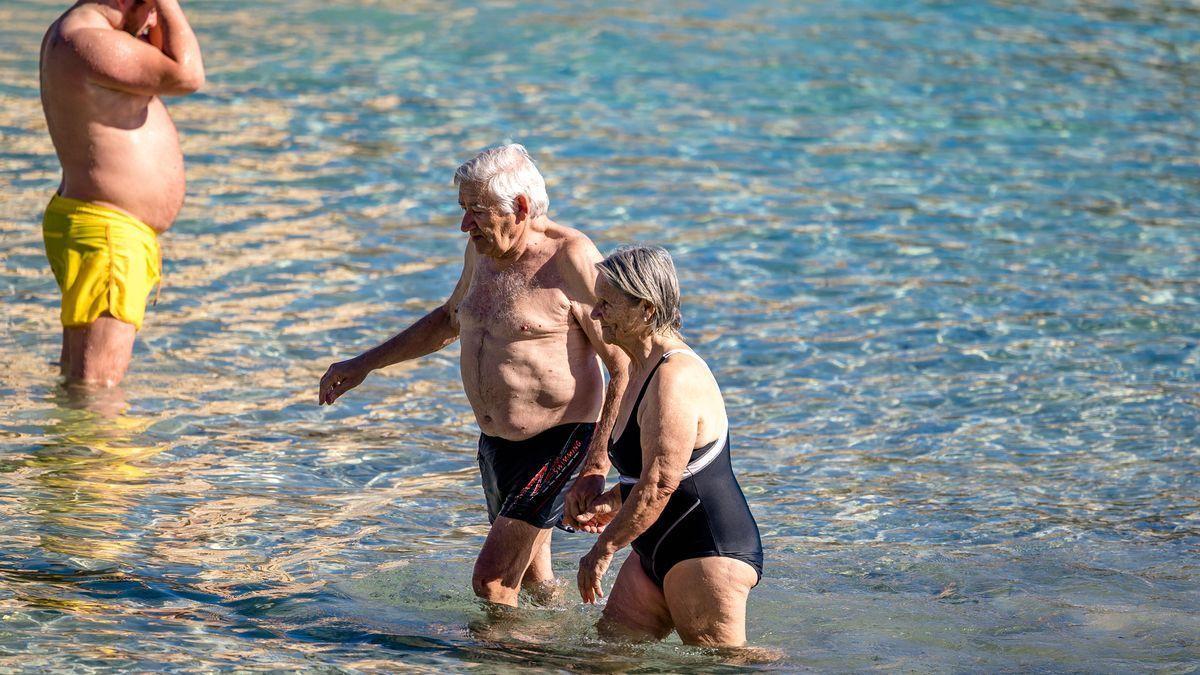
(104,261)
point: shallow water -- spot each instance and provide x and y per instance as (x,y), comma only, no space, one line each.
(943,258)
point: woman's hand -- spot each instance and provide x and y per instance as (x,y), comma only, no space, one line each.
(591,569)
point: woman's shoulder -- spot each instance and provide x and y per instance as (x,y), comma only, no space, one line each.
(683,374)
(684,388)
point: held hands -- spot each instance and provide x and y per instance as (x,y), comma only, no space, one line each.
(587,488)
(600,512)
(591,569)
(341,378)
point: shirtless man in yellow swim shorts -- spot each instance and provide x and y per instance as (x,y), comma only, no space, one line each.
(104,64)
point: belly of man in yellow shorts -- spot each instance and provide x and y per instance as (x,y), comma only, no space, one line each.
(104,67)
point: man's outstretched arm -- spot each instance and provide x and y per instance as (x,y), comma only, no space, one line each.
(430,333)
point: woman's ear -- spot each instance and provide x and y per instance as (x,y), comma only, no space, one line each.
(647,310)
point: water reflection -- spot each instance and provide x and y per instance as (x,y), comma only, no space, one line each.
(91,469)
(947,279)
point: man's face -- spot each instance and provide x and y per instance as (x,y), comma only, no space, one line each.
(141,17)
(493,232)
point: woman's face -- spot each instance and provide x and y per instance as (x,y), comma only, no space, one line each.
(620,316)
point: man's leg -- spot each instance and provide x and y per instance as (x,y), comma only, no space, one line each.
(505,559)
(99,353)
(539,580)
(64,357)
(540,571)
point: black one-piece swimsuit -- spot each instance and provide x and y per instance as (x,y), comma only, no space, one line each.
(707,514)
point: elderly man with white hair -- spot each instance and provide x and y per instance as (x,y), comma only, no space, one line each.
(522,311)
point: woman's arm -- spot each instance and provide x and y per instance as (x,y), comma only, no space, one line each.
(668,422)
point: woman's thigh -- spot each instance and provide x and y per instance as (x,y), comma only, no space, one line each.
(636,608)
(707,600)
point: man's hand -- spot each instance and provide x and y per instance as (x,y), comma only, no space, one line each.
(155,36)
(587,487)
(600,512)
(591,569)
(341,378)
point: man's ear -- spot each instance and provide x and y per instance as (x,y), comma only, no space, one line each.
(521,207)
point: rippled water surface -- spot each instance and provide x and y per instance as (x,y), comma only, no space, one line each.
(943,258)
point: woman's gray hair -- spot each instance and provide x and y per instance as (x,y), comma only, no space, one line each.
(646,273)
(506,172)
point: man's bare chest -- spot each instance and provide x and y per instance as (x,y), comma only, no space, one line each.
(514,305)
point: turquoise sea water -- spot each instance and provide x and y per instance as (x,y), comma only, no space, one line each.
(943,258)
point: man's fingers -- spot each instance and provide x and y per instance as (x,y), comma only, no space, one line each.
(576,502)
(330,393)
(324,389)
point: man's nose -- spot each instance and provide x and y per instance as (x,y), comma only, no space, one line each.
(467,224)
(596,313)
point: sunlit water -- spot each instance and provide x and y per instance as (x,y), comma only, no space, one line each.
(943,258)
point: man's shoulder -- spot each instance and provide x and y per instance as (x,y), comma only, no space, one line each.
(575,259)
(574,248)
(80,31)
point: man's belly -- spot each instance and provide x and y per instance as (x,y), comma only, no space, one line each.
(139,172)
(521,389)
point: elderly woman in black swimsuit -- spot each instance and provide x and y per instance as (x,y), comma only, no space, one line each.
(696,549)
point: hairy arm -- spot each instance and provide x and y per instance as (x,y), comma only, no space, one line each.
(430,333)
(580,261)
(117,60)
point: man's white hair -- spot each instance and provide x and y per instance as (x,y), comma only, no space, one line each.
(506,172)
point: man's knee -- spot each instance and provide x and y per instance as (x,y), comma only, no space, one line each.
(491,580)
(486,587)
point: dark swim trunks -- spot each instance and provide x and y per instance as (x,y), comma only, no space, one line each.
(526,480)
